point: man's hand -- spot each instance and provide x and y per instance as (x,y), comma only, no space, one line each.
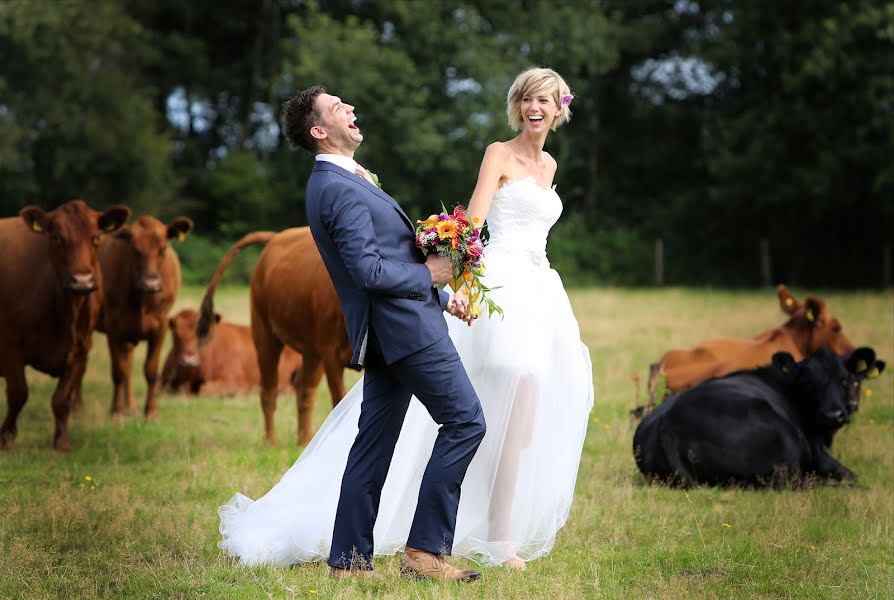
(441,268)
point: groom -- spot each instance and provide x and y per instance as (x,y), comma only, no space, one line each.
(394,319)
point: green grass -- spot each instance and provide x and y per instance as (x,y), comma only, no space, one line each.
(149,528)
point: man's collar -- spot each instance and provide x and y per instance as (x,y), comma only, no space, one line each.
(345,162)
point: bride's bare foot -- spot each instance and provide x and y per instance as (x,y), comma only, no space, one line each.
(514,562)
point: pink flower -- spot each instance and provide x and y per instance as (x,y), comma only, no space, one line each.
(566,99)
(475,248)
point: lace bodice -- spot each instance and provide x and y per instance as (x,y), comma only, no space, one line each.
(520,218)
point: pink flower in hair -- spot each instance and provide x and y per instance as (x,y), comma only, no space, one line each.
(566,99)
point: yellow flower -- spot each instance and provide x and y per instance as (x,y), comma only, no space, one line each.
(429,222)
(87,478)
(727,525)
(446,229)
(868,392)
(476,220)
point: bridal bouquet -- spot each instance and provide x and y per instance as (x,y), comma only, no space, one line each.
(458,238)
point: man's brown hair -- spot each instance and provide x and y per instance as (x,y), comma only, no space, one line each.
(299,114)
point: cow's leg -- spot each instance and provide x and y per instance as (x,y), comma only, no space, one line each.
(69,383)
(269,348)
(311,375)
(335,377)
(654,374)
(829,468)
(121,358)
(16,396)
(150,371)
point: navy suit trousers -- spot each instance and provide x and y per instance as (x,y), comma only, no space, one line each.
(437,378)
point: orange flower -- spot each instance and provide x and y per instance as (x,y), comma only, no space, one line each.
(446,229)
(454,243)
(467,276)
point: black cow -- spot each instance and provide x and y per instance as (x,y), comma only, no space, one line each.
(771,426)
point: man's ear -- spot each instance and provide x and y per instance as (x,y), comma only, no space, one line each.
(788,303)
(318,133)
(785,364)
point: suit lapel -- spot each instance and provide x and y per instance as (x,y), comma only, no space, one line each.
(328,166)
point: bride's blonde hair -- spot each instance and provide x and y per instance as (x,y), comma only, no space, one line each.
(537,80)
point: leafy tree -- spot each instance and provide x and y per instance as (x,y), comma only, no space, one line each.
(75,118)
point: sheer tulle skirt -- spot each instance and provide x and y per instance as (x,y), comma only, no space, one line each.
(533,377)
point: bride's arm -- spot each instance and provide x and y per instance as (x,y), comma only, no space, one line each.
(489,174)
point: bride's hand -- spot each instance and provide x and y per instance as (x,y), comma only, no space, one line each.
(458,306)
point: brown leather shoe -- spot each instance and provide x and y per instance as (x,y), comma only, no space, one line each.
(351,573)
(418,564)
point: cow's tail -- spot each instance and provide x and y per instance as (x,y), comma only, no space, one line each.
(206,315)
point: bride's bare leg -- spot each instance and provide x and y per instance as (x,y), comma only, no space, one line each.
(516,439)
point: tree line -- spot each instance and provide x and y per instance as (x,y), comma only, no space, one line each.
(736,133)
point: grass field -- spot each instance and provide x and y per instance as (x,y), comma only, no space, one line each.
(131,511)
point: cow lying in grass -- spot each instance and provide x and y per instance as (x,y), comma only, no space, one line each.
(771,426)
(810,326)
(224,365)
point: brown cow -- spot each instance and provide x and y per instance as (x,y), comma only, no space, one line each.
(142,274)
(810,326)
(224,365)
(293,303)
(52,288)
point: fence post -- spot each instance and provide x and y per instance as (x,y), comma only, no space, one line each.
(659,262)
(766,265)
(886,265)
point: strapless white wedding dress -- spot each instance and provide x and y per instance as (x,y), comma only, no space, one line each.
(533,376)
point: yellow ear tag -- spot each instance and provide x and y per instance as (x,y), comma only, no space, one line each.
(810,316)
(181,236)
(861,366)
(36,227)
(789,301)
(868,392)
(873,373)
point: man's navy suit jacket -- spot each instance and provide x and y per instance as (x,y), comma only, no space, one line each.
(369,247)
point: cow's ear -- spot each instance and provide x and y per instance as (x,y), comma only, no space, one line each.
(862,362)
(35,218)
(785,363)
(876,369)
(113,218)
(179,227)
(125,233)
(217,317)
(788,303)
(813,309)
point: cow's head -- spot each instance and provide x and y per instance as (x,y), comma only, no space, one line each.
(812,324)
(826,386)
(73,231)
(186,340)
(148,239)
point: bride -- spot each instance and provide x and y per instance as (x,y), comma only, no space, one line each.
(530,371)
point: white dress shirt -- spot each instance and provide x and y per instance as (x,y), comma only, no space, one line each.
(345,162)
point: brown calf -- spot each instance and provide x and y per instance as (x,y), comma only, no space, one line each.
(810,326)
(52,288)
(293,303)
(142,274)
(224,365)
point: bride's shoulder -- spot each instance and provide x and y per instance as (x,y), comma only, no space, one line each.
(497,149)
